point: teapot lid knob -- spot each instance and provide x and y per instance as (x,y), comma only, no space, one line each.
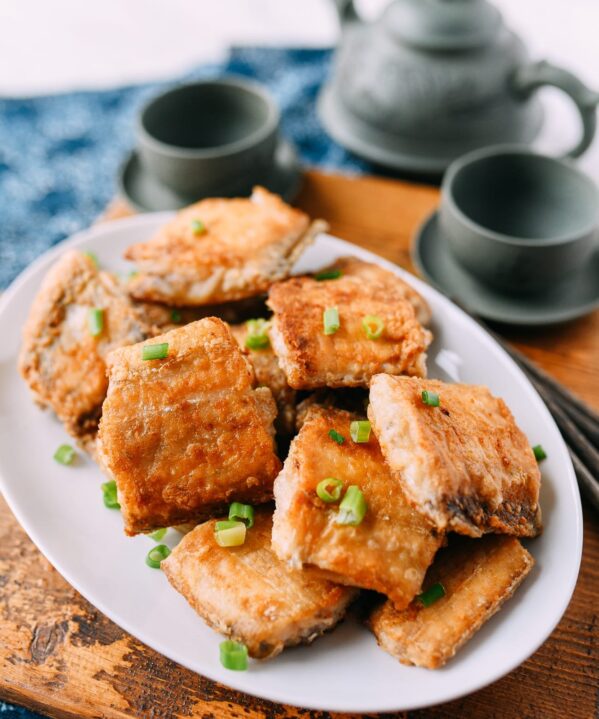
(442,24)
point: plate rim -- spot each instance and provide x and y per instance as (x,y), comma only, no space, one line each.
(83,236)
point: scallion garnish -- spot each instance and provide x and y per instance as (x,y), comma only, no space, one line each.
(329,490)
(328,275)
(430,398)
(432,594)
(230,533)
(95,321)
(330,320)
(132,274)
(373,326)
(257,336)
(158,534)
(176,316)
(93,257)
(242,513)
(336,437)
(198,227)
(156,555)
(352,509)
(359,430)
(154,352)
(65,454)
(233,655)
(110,495)
(539,453)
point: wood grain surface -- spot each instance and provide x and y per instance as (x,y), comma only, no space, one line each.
(63,658)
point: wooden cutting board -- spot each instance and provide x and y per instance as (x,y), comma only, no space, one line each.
(62,657)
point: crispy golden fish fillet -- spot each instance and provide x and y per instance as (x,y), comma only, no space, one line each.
(183,436)
(269,374)
(248,594)
(347,358)
(465,464)
(478,577)
(389,551)
(220,250)
(61,361)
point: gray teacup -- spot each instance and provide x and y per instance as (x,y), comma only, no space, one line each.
(516,219)
(209,137)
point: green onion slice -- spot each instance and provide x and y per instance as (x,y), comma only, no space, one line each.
(242,513)
(156,555)
(432,399)
(359,430)
(176,316)
(336,437)
(93,257)
(158,534)
(198,227)
(110,495)
(432,594)
(132,274)
(330,320)
(65,454)
(153,352)
(257,336)
(233,655)
(373,326)
(352,509)
(539,453)
(328,275)
(329,490)
(230,533)
(95,321)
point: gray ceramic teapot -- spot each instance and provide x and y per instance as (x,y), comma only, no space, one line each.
(433,79)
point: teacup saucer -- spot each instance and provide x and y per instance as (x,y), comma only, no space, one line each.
(572,297)
(147,194)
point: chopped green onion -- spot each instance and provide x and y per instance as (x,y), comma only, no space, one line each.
(373,326)
(233,655)
(65,454)
(230,533)
(330,320)
(95,321)
(352,509)
(132,274)
(329,489)
(242,512)
(158,534)
(198,227)
(328,275)
(336,437)
(93,257)
(110,495)
(430,398)
(156,555)
(257,336)
(432,594)
(153,352)
(360,430)
(539,453)
(176,316)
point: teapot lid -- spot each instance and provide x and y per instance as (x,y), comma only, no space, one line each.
(442,24)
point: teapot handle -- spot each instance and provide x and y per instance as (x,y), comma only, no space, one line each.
(346,10)
(529,78)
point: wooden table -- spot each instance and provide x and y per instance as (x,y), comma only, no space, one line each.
(62,657)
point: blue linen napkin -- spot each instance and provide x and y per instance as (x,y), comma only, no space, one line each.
(59,155)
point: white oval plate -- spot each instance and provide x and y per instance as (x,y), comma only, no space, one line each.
(62,511)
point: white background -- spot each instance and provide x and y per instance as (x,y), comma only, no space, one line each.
(55,45)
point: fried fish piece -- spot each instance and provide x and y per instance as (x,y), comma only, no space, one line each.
(246,593)
(60,359)
(477,576)
(465,464)
(393,546)
(219,250)
(269,374)
(184,435)
(347,358)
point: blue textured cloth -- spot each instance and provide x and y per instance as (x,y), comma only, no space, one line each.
(59,155)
